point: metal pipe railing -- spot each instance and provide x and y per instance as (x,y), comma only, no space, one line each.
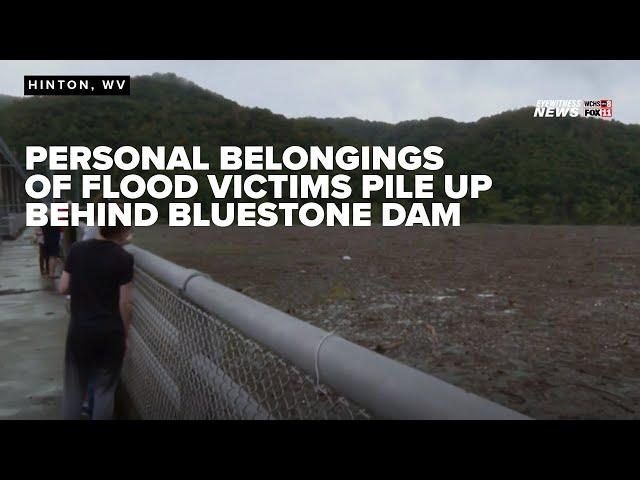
(7,208)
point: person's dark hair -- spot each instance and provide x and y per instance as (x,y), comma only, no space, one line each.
(111,233)
(115,232)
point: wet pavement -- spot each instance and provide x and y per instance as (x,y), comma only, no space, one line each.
(33,322)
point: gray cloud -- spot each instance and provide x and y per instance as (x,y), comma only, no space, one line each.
(390,91)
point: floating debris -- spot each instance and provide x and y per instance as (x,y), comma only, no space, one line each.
(439,298)
(382,348)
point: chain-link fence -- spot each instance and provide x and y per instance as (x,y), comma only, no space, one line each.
(185,363)
(199,350)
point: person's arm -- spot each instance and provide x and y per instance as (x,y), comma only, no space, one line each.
(124,301)
(64,286)
(125,305)
(65,281)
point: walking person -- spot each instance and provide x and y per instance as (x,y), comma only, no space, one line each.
(51,236)
(98,275)
(69,235)
(89,233)
(42,252)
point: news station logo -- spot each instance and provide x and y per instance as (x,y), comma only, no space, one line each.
(574,108)
(598,108)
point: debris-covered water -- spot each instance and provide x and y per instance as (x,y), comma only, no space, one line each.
(543,319)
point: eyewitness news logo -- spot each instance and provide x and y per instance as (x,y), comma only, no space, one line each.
(574,108)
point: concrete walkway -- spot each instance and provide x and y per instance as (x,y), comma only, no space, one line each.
(33,323)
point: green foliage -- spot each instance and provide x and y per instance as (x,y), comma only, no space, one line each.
(5,100)
(544,170)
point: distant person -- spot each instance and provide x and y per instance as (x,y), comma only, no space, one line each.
(90,232)
(98,275)
(93,231)
(42,253)
(69,237)
(51,237)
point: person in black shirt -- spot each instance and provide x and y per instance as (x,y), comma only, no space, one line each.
(98,274)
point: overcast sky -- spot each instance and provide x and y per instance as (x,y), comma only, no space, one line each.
(390,91)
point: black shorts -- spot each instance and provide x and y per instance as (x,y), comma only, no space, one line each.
(91,350)
(52,249)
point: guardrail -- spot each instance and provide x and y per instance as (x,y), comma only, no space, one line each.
(12,221)
(199,350)
(7,208)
